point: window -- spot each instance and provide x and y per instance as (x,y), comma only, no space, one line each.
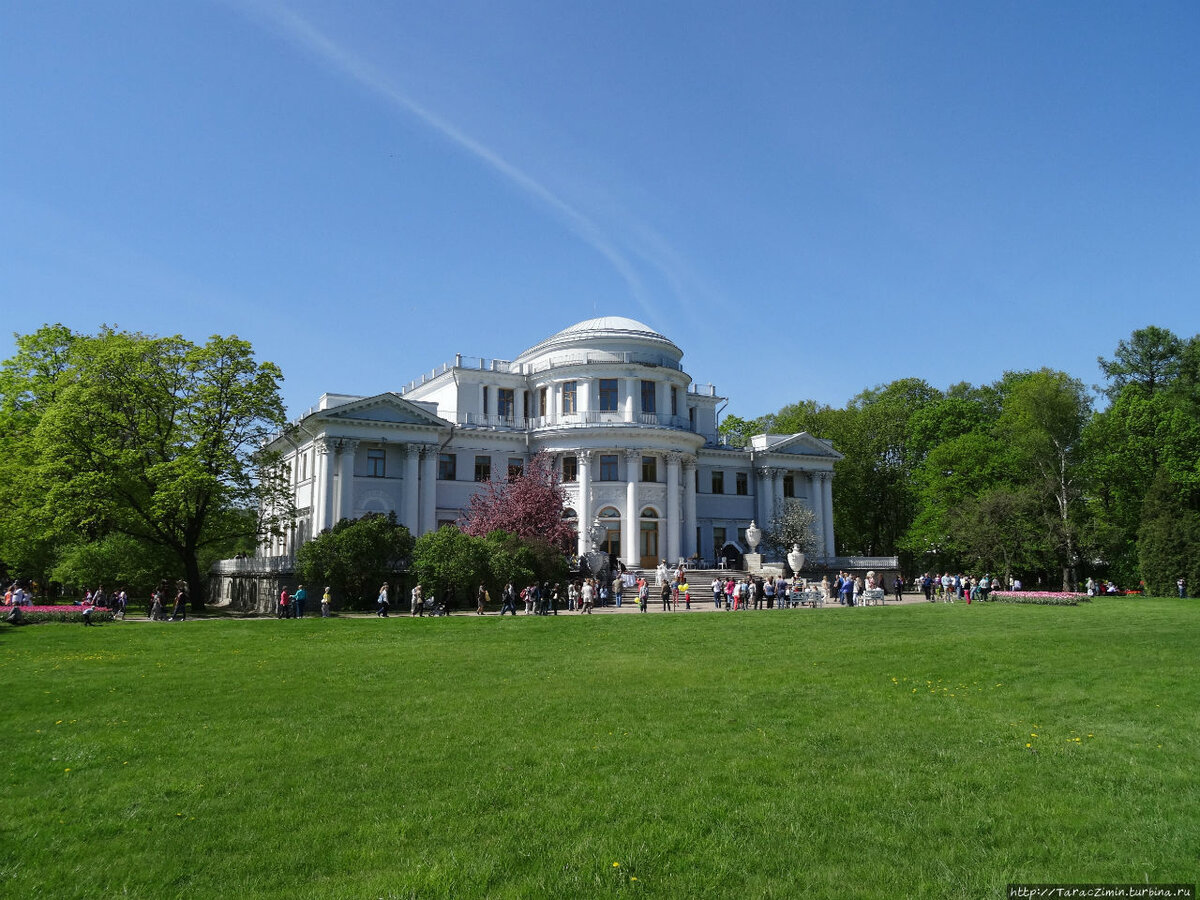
(303,466)
(674,400)
(504,403)
(743,484)
(483,468)
(485,399)
(692,417)
(516,466)
(447,467)
(649,468)
(742,536)
(525,404)
(789,485)
(608,467)
(648,396)
(568,396)
(570,468)
(375,463)
(608,395)
(718,539)
(542,403)
(718,482)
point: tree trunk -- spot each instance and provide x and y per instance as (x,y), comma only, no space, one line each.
(194,581)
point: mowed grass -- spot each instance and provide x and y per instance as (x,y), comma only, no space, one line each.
(836,753)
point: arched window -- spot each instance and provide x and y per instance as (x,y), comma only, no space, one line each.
(649,513)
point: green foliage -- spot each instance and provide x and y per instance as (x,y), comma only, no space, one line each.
(156,439)
(355,557)
(449,559)
(117,561)
(1169,538)
(1148,362)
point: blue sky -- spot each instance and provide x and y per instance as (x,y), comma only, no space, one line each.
(809,198)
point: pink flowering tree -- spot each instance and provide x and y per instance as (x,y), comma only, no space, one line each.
(529,505)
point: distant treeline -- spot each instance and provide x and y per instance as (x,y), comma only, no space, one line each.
(1028,475)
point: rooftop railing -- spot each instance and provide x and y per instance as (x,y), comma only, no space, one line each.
(505,366)
(572,420)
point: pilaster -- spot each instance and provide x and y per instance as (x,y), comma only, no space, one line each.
(632,516)
(689,507)
(674,458)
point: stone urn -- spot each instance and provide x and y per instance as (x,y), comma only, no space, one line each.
(753,536)
(795,558)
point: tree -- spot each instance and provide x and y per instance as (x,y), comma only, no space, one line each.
(529,505)
(154,438)
(355,556)
(1150,360)
(1000,531)
(1169,537)
(1043,420)
(793,523)
(449,559)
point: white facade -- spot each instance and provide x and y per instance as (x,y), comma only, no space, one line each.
(634,440)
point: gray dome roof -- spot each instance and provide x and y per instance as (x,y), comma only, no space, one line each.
(604,329)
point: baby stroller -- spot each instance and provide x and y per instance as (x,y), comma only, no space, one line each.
(431,607)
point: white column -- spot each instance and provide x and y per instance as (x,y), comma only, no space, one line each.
(689,507)
(412,488)
(324,510)
(346,479)
(584,507)
(429,466)
(631,398)
(817,502)
(631,520)
(766,484)
(583,394)
(827,497)
(673,516)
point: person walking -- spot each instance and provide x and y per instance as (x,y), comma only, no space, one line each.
(381,602)
(508,599)
(1181,584)
(587,595)
(298,602)
(326,600)
(643,594)
(666,595)
(416,602)
(481,599)
(285,605)
(180,609)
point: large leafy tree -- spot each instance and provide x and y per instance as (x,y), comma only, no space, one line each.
(1169,536)
(1043,421)
(355,556)
(154,438)
(450,559)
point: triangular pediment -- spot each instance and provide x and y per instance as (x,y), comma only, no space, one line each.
(799,444)
(390,408)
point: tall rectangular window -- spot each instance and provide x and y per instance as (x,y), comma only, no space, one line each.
(674,400)
(504,403)
(568,396)
(485,400)
(649,391)
(375,463)
(516,466)
(649,468)
(718,538)
(789,485)
(570,469)
(608,467)
(447,467)
(608,395)
(483,468)
(542,403)
(742,484)
(718,482)
(525,404)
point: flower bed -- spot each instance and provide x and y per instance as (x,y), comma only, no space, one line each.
(1039,598)
(33,615)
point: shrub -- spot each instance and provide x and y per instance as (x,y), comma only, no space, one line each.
(35,615)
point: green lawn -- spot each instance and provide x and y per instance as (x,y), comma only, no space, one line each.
(920,751)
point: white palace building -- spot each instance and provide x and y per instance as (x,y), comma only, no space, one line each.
(633,439)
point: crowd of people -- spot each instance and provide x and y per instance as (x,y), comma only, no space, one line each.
(948,587)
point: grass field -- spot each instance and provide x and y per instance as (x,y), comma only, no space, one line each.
(923,751)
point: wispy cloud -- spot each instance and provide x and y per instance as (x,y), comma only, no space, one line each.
(304,34)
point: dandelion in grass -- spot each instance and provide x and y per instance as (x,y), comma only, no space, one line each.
(616,865)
